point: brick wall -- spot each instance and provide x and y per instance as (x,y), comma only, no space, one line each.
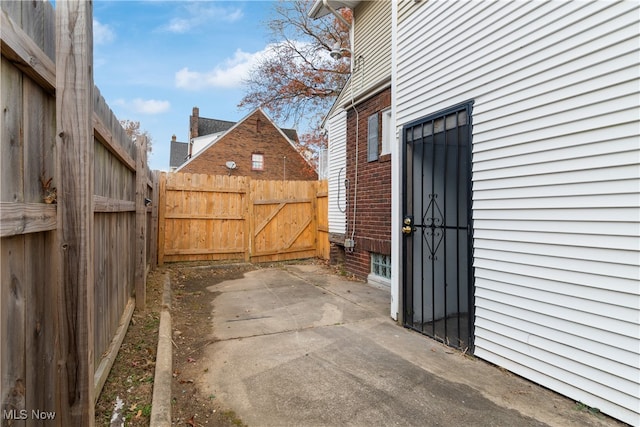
(373,208)
(256,134)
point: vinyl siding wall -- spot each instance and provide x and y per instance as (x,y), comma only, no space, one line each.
(405,10)
(371,47)
(337,127)
(556,180)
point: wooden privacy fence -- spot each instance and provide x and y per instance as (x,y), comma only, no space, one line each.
(207,217)
(76,236)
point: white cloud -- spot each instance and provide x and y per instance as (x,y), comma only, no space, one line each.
(102,33)
(143,106)
(197,14)
(179,25)
(150,106)
(229,74)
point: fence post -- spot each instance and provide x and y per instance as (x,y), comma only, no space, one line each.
(153,233)
(75,236)
(249,220)
(141,223)
(162,201)
(314,210)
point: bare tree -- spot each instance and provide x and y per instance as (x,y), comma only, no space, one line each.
(298,79)
(132,128)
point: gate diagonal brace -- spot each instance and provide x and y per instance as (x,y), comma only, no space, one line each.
(295,236)
(268,219)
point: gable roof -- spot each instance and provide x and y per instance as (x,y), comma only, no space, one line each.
(290,135)
(178,154)
(210,126)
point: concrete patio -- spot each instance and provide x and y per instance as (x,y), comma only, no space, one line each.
(300,346)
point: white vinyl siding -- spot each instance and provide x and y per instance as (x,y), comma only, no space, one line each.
(371,46)
(337,127)
(556,180)
(405,9)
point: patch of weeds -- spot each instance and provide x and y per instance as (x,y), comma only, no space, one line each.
(152,323)
(146,410)
(582,407)
(232,417)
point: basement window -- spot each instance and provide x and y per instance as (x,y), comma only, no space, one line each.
(380,269)
(257,162)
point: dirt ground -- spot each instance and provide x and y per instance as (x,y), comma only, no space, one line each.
(131,377)
(191,317)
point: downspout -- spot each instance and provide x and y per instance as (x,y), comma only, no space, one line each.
(335,13)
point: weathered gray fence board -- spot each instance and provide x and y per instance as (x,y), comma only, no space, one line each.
(25,53)
(33,21)
(39,140)
(12,268)
(13,9)
(11,150)
(67,269)
(41,322)
(141,226)
(74,118)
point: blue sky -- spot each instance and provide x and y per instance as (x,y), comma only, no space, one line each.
(156,60)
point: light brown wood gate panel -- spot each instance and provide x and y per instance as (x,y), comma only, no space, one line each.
(322,197)
(206,217)
(284,220)
(203,217)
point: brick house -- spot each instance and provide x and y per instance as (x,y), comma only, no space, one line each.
(369,210)
(253,147)
(359,151)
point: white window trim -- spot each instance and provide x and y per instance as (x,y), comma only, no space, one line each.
(387,132)
(253,161)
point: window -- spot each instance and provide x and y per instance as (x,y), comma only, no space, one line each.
(257,162)
(372,138)
(388,132)
(380,268)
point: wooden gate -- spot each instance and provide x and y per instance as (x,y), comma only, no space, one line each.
(206,217)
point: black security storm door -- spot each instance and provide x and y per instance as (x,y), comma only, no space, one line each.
(437,273)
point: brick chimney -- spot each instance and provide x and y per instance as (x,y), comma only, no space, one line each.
(193,127)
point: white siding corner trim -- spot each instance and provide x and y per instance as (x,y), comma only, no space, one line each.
(556,181)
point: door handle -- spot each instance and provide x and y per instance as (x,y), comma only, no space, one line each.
(407,225)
